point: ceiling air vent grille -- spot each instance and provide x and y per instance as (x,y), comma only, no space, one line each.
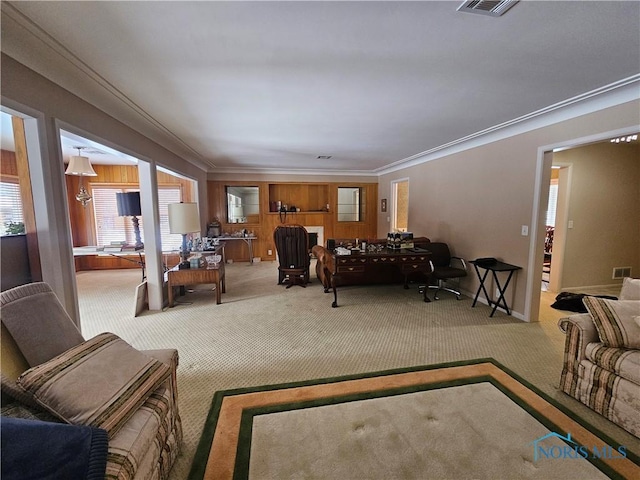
(494,8)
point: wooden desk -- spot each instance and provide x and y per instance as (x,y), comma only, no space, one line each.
(385,266)
(125,255)
(196,276)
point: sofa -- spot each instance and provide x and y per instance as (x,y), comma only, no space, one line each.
(601,366)
(51,376)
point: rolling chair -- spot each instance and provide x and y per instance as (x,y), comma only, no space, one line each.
(443,269)
(292,247)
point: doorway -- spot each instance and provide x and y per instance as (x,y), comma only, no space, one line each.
(596,218)
(400,205)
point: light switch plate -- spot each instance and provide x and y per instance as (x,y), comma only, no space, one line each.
(525,230)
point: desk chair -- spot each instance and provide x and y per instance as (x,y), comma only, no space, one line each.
(443,268)
(292,247)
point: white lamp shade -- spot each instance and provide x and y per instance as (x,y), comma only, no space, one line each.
(80,166)
(184,218)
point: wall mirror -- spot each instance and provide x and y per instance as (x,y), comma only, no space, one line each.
(350,203)
(243,204)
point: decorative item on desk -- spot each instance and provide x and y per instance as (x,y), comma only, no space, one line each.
(129,206)
(184,219)
(213,229)
(213,260)
(406,240)
(196,261)
(394,240)
(80,166)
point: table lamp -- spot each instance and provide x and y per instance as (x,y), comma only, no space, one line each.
(129,206)
(184,219)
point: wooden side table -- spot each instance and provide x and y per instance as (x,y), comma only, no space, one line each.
(196,276)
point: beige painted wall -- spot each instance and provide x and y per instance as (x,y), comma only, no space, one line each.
(604,205)
(478,199)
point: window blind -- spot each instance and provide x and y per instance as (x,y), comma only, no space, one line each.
(165,197)
(112,228)
(553,203)
(10,205)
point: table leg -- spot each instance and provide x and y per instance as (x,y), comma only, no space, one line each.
(170,294)
(250,243)
(501,291)
(335,293)
(482,278)
(218,290)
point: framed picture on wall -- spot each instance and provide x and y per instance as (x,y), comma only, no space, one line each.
(383,205)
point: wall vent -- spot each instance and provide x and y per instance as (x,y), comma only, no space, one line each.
(621,272)
(493,8)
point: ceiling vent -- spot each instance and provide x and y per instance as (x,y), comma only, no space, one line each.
(91,150)
(493,8)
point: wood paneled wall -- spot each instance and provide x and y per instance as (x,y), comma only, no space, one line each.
(307,196)
(82,218)
(8,164)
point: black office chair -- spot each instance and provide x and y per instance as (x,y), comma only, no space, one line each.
(292,247)
(444,267)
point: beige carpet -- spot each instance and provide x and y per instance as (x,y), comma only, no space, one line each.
(263,333)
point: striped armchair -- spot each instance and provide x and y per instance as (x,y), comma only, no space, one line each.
(50,373)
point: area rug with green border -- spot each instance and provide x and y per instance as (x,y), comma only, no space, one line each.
(471,419)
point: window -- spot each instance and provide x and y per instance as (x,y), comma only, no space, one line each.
(400,206)
(112,228)
(553,202)
(10,207)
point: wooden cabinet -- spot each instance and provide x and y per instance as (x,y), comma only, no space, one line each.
(307,197)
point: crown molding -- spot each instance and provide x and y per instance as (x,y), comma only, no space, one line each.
(617,93)
(55,60)
(298,171)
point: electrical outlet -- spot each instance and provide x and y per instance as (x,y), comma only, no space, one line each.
(269,252)
(525,230)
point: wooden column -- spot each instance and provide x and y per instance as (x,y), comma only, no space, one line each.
(28,211)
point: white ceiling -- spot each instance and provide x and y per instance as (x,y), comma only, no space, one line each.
(273,85)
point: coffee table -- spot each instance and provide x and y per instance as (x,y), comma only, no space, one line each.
(196,276)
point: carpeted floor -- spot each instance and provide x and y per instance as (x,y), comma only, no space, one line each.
(263,334)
